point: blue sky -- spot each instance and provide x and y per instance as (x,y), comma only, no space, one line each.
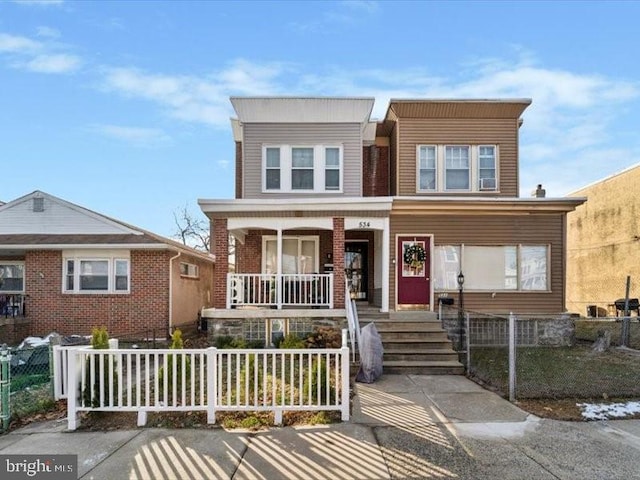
(122,107)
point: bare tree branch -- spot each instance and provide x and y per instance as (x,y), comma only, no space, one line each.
(191,231)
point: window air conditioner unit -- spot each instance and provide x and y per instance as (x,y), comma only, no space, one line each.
(487,184)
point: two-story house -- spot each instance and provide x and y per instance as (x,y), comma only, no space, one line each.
(330,203)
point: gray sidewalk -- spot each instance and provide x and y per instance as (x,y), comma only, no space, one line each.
(402,427)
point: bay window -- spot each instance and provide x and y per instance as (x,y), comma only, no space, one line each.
(492,268)
(92,274)
(11,277)
(302,168)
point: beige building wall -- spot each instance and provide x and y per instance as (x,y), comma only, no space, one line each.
(603,238)
(190,293)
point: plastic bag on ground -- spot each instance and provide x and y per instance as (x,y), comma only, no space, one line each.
(370,355)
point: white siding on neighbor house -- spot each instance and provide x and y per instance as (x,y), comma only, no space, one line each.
(258,134)
(57,218)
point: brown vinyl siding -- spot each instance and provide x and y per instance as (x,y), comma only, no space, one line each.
(457,131)
(535,229)
(258,134)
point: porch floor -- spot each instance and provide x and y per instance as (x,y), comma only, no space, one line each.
(258,312)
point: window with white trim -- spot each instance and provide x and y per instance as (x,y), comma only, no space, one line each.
(189,270)
(492,268)
(456,168)
(272,168)
(299,254)
(11,277)
(427,172)
(96,275)
(486,167)
(302,168)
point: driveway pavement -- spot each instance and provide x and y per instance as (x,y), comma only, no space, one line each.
(402,427)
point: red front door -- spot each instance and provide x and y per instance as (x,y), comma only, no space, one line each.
(413,267)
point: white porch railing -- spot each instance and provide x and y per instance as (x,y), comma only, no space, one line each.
(208,380)
(284,290)
(352,321)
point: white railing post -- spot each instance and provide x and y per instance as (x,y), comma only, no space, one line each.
(331,291)
(344,359)
(57,373)
(72,390)
(212,384)
(512,357)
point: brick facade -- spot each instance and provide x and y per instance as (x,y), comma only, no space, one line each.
(220,243)
(338,262)
(145,308)
(375,171)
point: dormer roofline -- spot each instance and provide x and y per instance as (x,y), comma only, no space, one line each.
(456,108)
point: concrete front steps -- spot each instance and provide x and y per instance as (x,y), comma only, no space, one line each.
(414,342)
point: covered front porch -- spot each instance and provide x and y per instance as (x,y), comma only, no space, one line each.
(308,257)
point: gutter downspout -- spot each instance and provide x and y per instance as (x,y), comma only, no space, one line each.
(171,290)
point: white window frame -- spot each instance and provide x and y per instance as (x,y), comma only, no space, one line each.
(495,168)
(193,271)
(110,258)
(519,266)
(418,169)
(24,274)
(319,168)
(300,239)
(445,169)
(474,169)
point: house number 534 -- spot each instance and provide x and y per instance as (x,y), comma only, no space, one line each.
(364,224)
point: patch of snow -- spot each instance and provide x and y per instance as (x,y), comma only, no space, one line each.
(602,411)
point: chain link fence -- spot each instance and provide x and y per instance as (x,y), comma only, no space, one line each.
(552,356)
(26,386)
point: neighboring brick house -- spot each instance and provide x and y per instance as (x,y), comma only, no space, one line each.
(67,269)
(603,240)
(395,208)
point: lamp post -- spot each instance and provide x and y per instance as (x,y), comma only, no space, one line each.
(460,308)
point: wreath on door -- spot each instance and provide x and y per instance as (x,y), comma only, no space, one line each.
(415,256)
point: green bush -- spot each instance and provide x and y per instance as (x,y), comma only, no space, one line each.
(319,368)
(292,341)
(91,393)
(324,337)
(176,344)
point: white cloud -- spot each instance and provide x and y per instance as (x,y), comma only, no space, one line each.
(18,44)
(139,136)
(54,63)
(197,99)
(47,32)
(224,164)
(35,56)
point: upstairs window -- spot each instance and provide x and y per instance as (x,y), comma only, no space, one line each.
(189,270)
(332,168)
(427,167)
(273,169)
(457,168)
(302,169)
(486,167)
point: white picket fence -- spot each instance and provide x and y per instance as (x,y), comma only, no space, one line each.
(211,380)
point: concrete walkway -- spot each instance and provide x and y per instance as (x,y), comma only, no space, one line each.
(403,426)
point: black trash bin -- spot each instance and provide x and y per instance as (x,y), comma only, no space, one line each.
(446,301)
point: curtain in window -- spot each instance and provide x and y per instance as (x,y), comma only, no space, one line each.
(457,168)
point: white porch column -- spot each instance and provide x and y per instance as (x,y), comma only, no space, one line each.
(386,259)
(279,283)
